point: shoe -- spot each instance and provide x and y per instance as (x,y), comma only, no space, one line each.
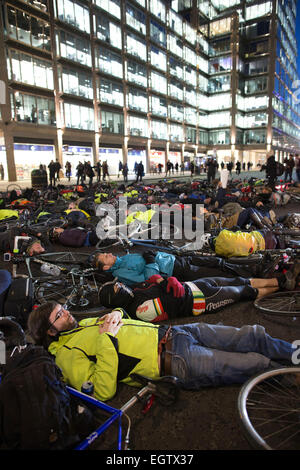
(273,217)
(290,281)
(291,276)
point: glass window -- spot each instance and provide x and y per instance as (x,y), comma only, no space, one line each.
(191,115)
(257,66)
(138,126)
(158,9)
(255,136)
(109,62)
(175,45)
(219,119)
(257,10)
(159,130)
(74,14)
(79,117)
(220,27)
(219,137)
(220,64)
(111,92)
(219,83)
(113,6)
(191,135)
(175,68)
(158,33)
(11,29)
(158,58)
(74,48)
(137,100)
(190,75)
(176,112)
(135,18)
(255,85)
(175,89)
(158,82)
(136,46)
(190,95)
(23,24)
(137,73)
(34,109)
(175,22)
(176,133)
(158,106)
(112,123)
(108,31)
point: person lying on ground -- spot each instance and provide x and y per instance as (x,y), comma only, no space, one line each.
(37,243)
(107,350)
(161,299)
(134,268)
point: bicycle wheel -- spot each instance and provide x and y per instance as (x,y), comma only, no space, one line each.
(81,301)
(64,258)
(285,304)
(269,409)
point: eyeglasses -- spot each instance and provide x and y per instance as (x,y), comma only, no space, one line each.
(59,314)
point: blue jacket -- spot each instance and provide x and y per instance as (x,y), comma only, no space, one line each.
(132,269)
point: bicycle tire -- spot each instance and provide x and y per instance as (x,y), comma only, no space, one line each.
(285,304)
(268,407)
(60,290)
(64,258)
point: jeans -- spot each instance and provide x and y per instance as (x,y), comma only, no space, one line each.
(212,355)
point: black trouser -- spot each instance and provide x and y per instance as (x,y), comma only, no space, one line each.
(219,291)
(189,268)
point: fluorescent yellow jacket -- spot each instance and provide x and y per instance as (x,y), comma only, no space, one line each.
(83,354)
(141,216)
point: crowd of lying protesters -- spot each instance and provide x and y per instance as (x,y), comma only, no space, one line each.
(146,291)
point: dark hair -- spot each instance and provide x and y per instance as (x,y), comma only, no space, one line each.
(39,323)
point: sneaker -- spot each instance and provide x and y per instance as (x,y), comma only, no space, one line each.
(291,276)
(290,281)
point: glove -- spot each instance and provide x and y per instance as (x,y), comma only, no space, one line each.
(176,286)
(153,279)
(149,256)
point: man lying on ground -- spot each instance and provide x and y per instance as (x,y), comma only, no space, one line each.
(135,268)
(108,350)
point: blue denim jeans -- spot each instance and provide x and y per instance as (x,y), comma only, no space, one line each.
(212,355)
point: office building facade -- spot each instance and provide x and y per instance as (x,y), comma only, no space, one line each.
(146,80)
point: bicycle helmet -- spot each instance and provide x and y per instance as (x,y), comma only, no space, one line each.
(109,297)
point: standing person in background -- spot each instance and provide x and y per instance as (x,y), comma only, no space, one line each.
(52,173)
(80,173)
(98,170)
(125,172)
(1,171)
(68,170)
(57,169)
(105,170)
(271,171)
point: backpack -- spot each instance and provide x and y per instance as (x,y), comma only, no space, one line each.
(279,169)
(19,300)
(36,411)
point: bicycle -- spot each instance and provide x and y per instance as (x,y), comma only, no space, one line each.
(269,406)
(72,284)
